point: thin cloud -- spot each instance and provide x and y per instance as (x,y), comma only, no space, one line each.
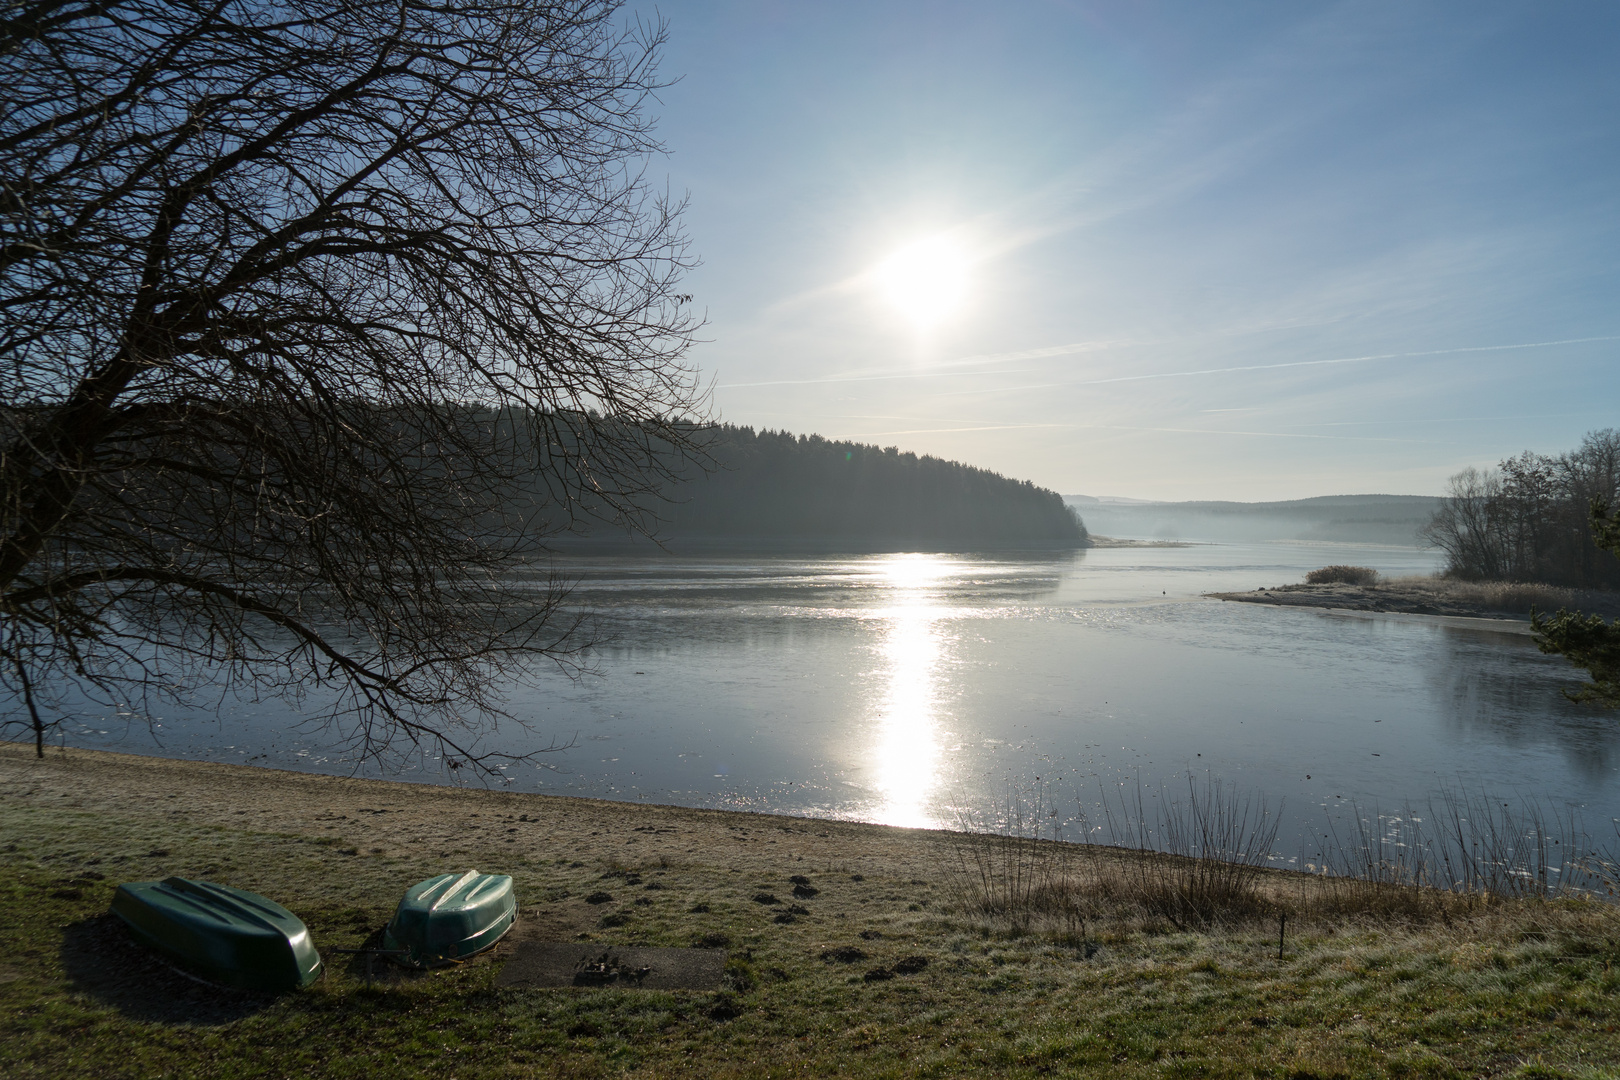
(947,430)
(863,378)
(947,368)
(1343,360)
(954,367)
(1051,350)
(1256,434)
(1127,427)
(1457,419)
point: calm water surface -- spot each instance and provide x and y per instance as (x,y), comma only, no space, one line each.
(906,688)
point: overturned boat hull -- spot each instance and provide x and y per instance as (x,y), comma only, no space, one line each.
(228,936)
(451,917)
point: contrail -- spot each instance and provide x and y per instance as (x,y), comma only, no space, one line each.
(1064,350)
(1259,434)
(949,430)
(1346,360)
(1049,351)
(1131,427)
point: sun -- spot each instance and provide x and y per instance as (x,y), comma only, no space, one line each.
(926,281)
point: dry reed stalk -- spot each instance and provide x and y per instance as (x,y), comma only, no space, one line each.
(1200,860)
(1200,857)
(1018,867)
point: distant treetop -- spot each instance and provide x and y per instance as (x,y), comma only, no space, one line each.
(779,488)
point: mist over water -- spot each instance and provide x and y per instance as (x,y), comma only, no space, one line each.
(908,689)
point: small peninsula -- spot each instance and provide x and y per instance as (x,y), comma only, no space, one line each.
(1434,596)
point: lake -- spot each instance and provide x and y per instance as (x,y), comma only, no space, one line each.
(914,689)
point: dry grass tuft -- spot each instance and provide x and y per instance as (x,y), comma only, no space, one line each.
(1512,596)
(1202,853)
(1200,861)
(1516,597)
(1018,869)
(1196,862)
(1342,575)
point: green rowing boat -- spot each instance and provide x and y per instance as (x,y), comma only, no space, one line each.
(225,935)
(451,916)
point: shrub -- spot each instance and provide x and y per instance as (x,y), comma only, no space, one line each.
(1342,575)
(1196,860)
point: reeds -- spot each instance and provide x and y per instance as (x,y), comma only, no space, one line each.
(1203,856)
(1518,597)
(1016,866)
(1196,857)
(1201,853)
(1470,845)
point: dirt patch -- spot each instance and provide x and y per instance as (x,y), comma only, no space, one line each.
(541,965)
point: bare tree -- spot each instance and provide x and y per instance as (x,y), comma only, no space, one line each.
(1532,520)
(1590,475)
(1466,526)
(1587,641)
(316,315)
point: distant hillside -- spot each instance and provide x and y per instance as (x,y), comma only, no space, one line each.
(776,489)
(1365,519)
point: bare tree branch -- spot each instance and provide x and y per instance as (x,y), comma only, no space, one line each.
(316,318)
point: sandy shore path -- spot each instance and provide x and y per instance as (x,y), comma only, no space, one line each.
(420,821)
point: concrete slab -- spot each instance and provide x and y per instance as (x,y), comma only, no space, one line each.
(541,965)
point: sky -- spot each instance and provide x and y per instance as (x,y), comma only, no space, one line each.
(1158,250)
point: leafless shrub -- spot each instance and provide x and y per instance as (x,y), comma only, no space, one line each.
(1342,575)
(1201,854)
(1202,859)
(1015,865)
(1194,859)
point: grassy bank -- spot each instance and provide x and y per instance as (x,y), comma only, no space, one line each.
(816,984)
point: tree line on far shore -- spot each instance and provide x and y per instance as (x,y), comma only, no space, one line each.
(1532,519)
(780,488)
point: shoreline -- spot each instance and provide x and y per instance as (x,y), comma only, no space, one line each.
(1494,623)
(1117,542)
(1489,606)
(401,818)
(864,950)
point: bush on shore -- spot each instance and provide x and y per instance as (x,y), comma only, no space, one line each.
(1342,575)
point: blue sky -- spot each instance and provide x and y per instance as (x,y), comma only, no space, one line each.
(1247,251)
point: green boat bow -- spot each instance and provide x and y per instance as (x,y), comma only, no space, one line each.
(225,935)
(452,916)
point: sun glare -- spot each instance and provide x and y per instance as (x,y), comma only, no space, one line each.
(908,757)
(926,281)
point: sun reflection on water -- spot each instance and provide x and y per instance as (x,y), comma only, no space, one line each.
(907,753)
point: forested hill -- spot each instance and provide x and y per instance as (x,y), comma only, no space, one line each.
(780,489)
(1362,519)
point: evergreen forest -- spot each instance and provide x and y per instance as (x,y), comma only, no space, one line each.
(777,489)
